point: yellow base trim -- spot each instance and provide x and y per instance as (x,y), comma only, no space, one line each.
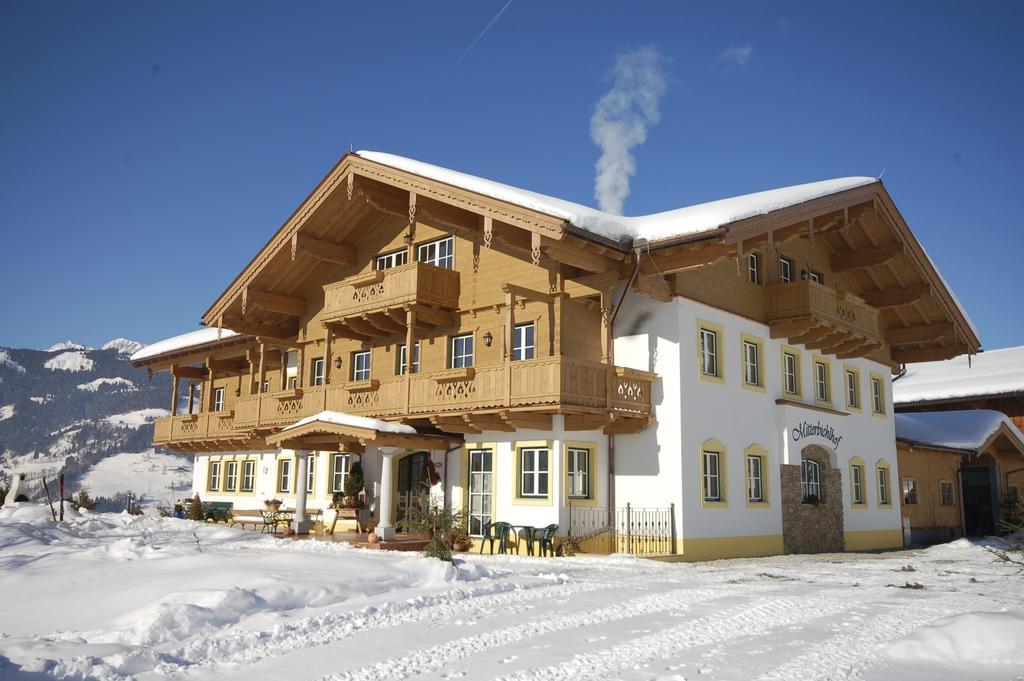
(867,540)
(715,548)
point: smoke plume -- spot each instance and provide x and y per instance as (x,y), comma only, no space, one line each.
(621,120)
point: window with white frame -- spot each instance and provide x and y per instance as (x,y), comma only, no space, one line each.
(265,387)
(852,390)
(857,481)
(317,373)
(712,476)
(751,363)
(440,253)
(361,365)
(386,261)
(821,391)
(339,472)
(291,371)
(284,475)
(877,396)
(709,352)
(791,369)
(248,475)
(785,270)
(816,277)
(755,477)
(810,481)
(533,474)
(883,485)
(415,359)
(462,351)
(945,493)
(231,476)
(310,472)
(909,491)
(213,481)
(754,268)
(579,472)
(218,399)
(523,341)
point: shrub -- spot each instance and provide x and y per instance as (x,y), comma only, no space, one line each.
(1012,550)
(195,511)
(81,499)
(441,525)
(354,482)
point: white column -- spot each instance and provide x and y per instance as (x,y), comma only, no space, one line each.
(299,523)
(385,530)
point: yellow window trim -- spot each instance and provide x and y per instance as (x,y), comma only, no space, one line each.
(547,500)
(759,451)
(879,466)
(759,342)
(713,445)
(859,505)
(241,474)
(846,389)
(815,360)
(591,472)
(719,332)
(882,381)
(210,460)
(789,349)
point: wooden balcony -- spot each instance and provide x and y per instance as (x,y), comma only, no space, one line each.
(378,304)
(545,385)
(823,319)
(215,429)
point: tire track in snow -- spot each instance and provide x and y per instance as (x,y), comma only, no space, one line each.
(440,656)
(738,621)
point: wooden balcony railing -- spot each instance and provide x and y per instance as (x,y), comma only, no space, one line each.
(209,426)
(800,306)
(382,291)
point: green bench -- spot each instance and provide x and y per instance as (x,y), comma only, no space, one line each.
(217,511)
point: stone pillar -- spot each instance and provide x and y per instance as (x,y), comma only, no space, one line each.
(300,524)
(385,530)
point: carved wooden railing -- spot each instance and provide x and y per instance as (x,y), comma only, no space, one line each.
(208,426)
(810,300)
(415,283)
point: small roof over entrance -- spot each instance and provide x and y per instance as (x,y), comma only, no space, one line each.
(335,429)
(969,430)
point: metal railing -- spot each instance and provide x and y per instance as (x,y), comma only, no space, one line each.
(630,529)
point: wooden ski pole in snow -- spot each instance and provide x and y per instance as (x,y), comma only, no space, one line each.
(61,497)
(49,499)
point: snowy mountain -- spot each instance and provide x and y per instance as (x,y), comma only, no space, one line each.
(87,413)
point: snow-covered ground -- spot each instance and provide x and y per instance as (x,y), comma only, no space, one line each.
(95,385)
(116,596)
(152,477)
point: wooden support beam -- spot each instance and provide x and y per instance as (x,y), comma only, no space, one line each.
(383,323)
(895,297)
(433,316)
(268,331)
(901,356)
(489,422)
(576,256)
(229,365)
(813,334)
(625,425)
(328,251)
(919,334)
(656,287)
(529,294)
(527,420)
(791,329)
(454,424)
(684,257)
(195,373)
(867,257)
(275,302)
(586,421)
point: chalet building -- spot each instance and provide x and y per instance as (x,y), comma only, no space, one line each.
(539,362)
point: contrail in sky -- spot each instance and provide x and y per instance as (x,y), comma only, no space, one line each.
(482,33)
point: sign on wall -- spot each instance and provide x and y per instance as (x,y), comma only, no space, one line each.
(807,429)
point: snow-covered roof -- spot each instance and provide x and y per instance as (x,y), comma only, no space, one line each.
(183,342)
(702,217)
(342,419)
(993,372)
(966,429)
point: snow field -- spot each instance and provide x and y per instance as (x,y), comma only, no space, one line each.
(115,596)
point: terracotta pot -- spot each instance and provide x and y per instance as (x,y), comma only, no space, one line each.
(372,537)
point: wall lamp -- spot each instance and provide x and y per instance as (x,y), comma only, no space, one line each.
(488,339)
(337,362)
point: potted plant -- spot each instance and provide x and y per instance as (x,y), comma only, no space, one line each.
(273,504)
(458,539)
(353,486)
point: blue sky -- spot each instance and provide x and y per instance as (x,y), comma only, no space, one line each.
(148,150)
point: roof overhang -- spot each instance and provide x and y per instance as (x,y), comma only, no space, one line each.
(320,435)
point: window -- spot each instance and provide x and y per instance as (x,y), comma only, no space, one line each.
(755,484)
(361,365)
(754,268)
(214,476)
(231,476)
(852,389)
(310,472)
(440,253)
(791,373)
(709,352)
(785,270)
(816,277)
(579,473)
(533,472)
(821,388)
(462,351)
(481,494)
(810,481)
(857,483)
(386,261)
(945,493)
(877,395)
(218,399)
(751,363)
(415,359)
(284,475)
(291,371)
(883,486)
(317,374)
(909,491)
(265,387)
(712,476)
(248,475)
(339,472)
(523,342)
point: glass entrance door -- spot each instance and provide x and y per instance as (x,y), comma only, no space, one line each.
(481,491)
(412,482)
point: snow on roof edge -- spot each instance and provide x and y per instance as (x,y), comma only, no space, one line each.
(182,342)
(345,419)
(963,429)
(994,372)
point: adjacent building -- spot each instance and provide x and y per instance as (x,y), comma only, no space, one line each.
(718,374)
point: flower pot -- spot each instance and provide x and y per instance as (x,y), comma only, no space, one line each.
(371,537)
